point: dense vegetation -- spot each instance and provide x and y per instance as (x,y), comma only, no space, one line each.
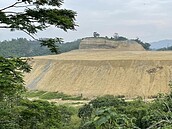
(30,16)
(146,46)
(106,112)
(110,112)
(34,115)
(25,48)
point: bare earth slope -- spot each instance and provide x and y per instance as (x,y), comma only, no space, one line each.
(103,43)
(99,72)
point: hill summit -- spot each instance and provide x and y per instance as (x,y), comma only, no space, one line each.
(104,43)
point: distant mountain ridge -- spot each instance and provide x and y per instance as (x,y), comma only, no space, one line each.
(161,44)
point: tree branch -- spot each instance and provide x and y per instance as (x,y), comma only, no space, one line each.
(23,6)
(162,121)
(30,35)
(13,5)
(13,12)
(4,27)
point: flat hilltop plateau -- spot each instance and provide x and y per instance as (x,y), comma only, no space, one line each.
(99,72)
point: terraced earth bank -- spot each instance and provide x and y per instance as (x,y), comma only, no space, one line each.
(104,43)
(100,72)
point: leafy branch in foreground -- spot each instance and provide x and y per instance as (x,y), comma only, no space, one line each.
(11,77)
(30,16)
(37,15)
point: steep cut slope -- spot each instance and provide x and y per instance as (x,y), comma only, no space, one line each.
(99,72)
(103,43)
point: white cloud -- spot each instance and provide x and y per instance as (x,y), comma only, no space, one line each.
(149,19)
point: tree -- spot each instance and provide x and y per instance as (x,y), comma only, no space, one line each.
(37,15)
(11,88)
(108,118)
(30,17)
(42,114)
(95,34)
(90,112)
(115,36)
(22,47)
(145,45)
(11,77)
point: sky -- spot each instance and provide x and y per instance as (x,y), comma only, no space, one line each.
(149,20)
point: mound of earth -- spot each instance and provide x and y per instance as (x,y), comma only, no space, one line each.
(100,72)
(103,43)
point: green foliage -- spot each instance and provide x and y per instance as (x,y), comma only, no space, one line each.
(11,77)
(103,113)
(65,47)
(160,112)
(30,17)
(146,46)
(51,44)
(31,94)
(24,48)
(107,101)
(88,111)
(38,15)
(108,118)
(136,109)
(35,114)
(120,38)
(51,95)
(11,88)
(85,113)
(39,114)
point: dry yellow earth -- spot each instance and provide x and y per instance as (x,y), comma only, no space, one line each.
(103,43)
(100,72)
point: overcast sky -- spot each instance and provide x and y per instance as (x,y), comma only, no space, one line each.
(150,20)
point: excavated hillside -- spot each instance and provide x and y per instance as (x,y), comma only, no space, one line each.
(104,43)
(100,72)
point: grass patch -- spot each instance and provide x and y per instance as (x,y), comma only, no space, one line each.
(51,95)
(75,103)
(35,93)
(54,95)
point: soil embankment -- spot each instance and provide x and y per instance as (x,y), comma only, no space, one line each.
(103,43)
(100,72)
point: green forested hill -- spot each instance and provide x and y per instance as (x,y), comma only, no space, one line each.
(24,48)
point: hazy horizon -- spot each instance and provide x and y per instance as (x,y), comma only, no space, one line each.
(150,20)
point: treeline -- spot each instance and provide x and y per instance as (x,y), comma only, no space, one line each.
(165,49)
(22,47)
(145,45)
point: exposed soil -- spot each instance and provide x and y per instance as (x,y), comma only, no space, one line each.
(93,73)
